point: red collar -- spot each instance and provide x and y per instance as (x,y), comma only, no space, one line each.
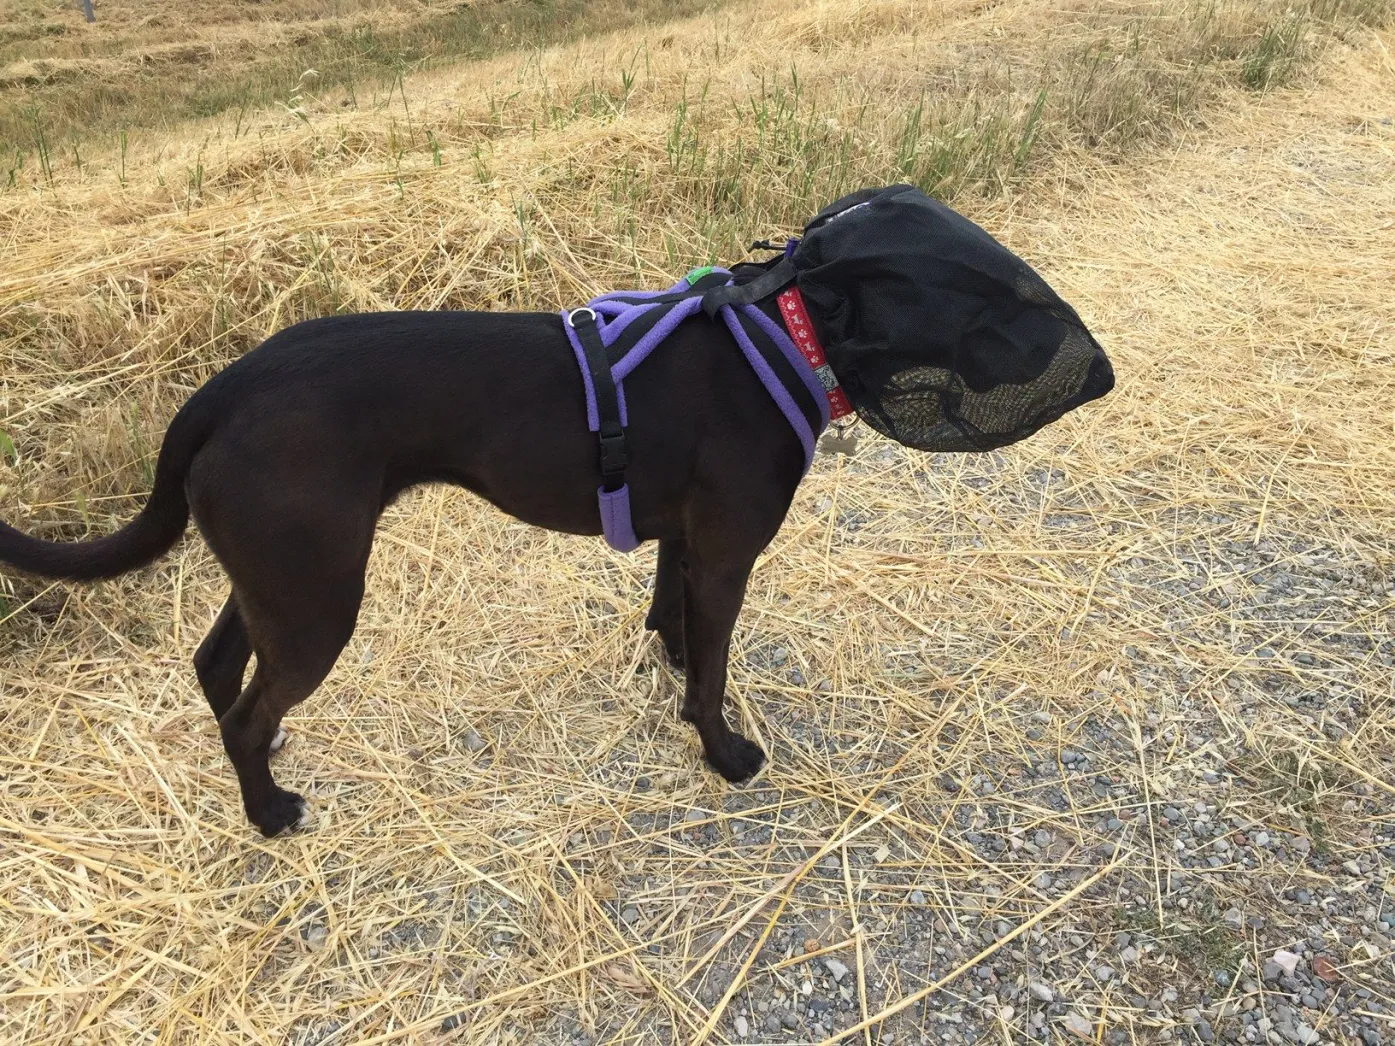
(802,334)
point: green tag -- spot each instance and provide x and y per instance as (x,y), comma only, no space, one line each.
(698,274)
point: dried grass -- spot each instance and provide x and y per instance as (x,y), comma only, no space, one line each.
(163,61)
(899,635)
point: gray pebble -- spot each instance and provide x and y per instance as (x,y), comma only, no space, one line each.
(473,741)
(629,916)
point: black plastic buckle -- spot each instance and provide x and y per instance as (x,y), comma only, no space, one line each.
(615,454)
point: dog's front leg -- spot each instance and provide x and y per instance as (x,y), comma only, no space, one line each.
(666,614)
(714,586)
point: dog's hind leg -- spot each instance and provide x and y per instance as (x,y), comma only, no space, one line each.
(297,641)
(666,614)
(294,532)
(222,657)
(221,660)
(715,575)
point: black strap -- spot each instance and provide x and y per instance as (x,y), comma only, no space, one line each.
(780,276)
(615,456)
(636,329)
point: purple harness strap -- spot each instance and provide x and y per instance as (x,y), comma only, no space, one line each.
(614,316)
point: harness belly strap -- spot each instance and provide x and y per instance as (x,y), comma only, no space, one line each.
(614,333)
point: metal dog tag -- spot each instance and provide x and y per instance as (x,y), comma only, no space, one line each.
(838,441)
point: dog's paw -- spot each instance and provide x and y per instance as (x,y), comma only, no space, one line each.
(279,741)
(285,812)
(737,759)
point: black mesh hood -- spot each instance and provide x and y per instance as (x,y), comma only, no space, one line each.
(943,338)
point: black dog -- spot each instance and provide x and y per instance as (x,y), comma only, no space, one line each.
(287,458)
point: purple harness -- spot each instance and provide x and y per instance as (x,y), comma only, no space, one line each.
(631,324)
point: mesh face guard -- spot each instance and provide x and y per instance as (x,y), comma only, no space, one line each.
(943,339)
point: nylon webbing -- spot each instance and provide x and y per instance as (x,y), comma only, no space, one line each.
(615,456)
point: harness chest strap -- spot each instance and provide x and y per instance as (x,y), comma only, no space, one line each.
(614,494)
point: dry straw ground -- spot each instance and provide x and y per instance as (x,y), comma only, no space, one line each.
(1067,740)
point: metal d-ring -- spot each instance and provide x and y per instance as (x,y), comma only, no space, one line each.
(571,316)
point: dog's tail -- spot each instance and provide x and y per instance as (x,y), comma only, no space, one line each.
(149,535)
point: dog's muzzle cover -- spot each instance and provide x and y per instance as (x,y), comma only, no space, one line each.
(943,339)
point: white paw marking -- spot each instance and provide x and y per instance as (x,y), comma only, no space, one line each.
(304,818)
(279,739)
